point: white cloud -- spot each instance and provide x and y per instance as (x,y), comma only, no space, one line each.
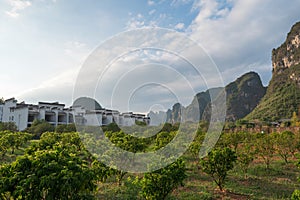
(17,6)
(135,23)
(139,21)
(60,86)
(76,50)
(150,2)
(241,32)
(140,16)
(179,26)
(151,12)
(136,68)
(239,38)
(180,2)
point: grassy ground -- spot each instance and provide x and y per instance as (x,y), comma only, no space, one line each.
(278,182)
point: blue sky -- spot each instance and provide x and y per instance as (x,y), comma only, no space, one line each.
(44,43)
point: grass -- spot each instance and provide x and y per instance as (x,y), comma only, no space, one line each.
(278,182)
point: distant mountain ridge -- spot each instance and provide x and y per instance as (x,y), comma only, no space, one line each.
(247,98)
(242,96)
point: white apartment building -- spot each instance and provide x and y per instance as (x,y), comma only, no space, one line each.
(1,112)
(55,113)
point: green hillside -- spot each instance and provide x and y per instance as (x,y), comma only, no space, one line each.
(282,98)
(283,94)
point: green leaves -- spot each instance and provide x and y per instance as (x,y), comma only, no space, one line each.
(8,126)
(265,148)
(159,184)
(39,127)
(296,193)
(52,169)
(285,144)
(11,141)
(218,163)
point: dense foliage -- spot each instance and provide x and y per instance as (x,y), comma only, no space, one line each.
(39,127)
(8,126)
(159,184)
(282,98)
(296,193)
(57,165)
(11,141)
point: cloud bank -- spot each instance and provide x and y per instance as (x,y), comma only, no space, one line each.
(239,35)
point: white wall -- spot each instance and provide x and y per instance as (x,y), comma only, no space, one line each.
(93,119)
(107,120)
(7,115)
(128,121)
(20,115)
(1,112)
(21,118)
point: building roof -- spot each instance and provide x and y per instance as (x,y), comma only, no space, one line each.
(11,99)
(51,103)
(87,103)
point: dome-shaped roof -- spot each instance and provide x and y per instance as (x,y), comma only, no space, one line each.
(87,103)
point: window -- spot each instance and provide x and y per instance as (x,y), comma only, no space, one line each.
(12,118)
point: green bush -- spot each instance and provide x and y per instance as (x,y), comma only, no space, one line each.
(159,184)
(218,163)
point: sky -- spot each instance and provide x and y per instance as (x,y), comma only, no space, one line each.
(45,44)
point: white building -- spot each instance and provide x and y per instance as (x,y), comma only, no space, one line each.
(55,113)
(1,112)
(23,114)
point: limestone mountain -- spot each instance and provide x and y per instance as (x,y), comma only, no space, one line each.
(198,109)
(283,94)
(157,117)
(175,114)
(193,112)
(242,97)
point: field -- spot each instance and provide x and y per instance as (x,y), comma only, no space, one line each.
(270,170)
(278,182)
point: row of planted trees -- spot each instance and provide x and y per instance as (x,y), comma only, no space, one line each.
(58,165)
(249,146)
(294,121)
(241,149)
(10,141)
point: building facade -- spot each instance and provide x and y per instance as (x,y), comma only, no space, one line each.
(1,112)
(56,114)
